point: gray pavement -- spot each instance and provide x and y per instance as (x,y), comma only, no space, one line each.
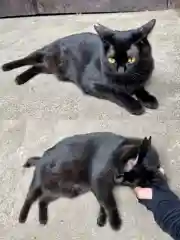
(36,115)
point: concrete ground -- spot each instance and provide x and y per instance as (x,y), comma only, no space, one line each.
(38,114)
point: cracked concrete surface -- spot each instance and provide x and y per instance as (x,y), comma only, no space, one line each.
(36,115)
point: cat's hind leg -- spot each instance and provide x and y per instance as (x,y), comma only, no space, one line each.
(104,194)
(31,59)
(27,75)
(33,194)
(43,212)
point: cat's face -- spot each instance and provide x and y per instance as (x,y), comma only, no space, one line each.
(147,169)
(142,168)
(123,40)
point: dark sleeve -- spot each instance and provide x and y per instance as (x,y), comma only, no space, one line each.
(165,206)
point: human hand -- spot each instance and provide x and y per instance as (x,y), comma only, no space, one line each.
(143,193)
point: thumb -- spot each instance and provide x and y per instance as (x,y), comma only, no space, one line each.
(143,193)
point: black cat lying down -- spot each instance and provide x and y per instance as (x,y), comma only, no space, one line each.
(83,59)
(95,162)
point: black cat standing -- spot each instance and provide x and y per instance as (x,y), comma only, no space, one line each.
(83,59)
(93,162)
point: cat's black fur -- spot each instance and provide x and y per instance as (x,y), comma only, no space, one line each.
(136,74)
(141,72)
(82,59)
(88,162)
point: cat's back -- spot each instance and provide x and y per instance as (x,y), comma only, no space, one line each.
(76,146)
(74,46)
(81,37)
(80,40)
(85,153)
(76,52)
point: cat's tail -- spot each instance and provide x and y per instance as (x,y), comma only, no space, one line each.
(31,162)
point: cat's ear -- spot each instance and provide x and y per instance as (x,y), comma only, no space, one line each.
(128,157)
(142,32)
(147,28)
(104,32)
(143,149)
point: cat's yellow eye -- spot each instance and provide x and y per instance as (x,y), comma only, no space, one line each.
(131,59)
(111,60)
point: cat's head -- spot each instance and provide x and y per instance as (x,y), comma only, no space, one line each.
(143,166)
(123,40)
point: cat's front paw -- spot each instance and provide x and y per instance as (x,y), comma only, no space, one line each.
(137,111)
(115,221)
(152,103)
(136,108)
(101,220)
